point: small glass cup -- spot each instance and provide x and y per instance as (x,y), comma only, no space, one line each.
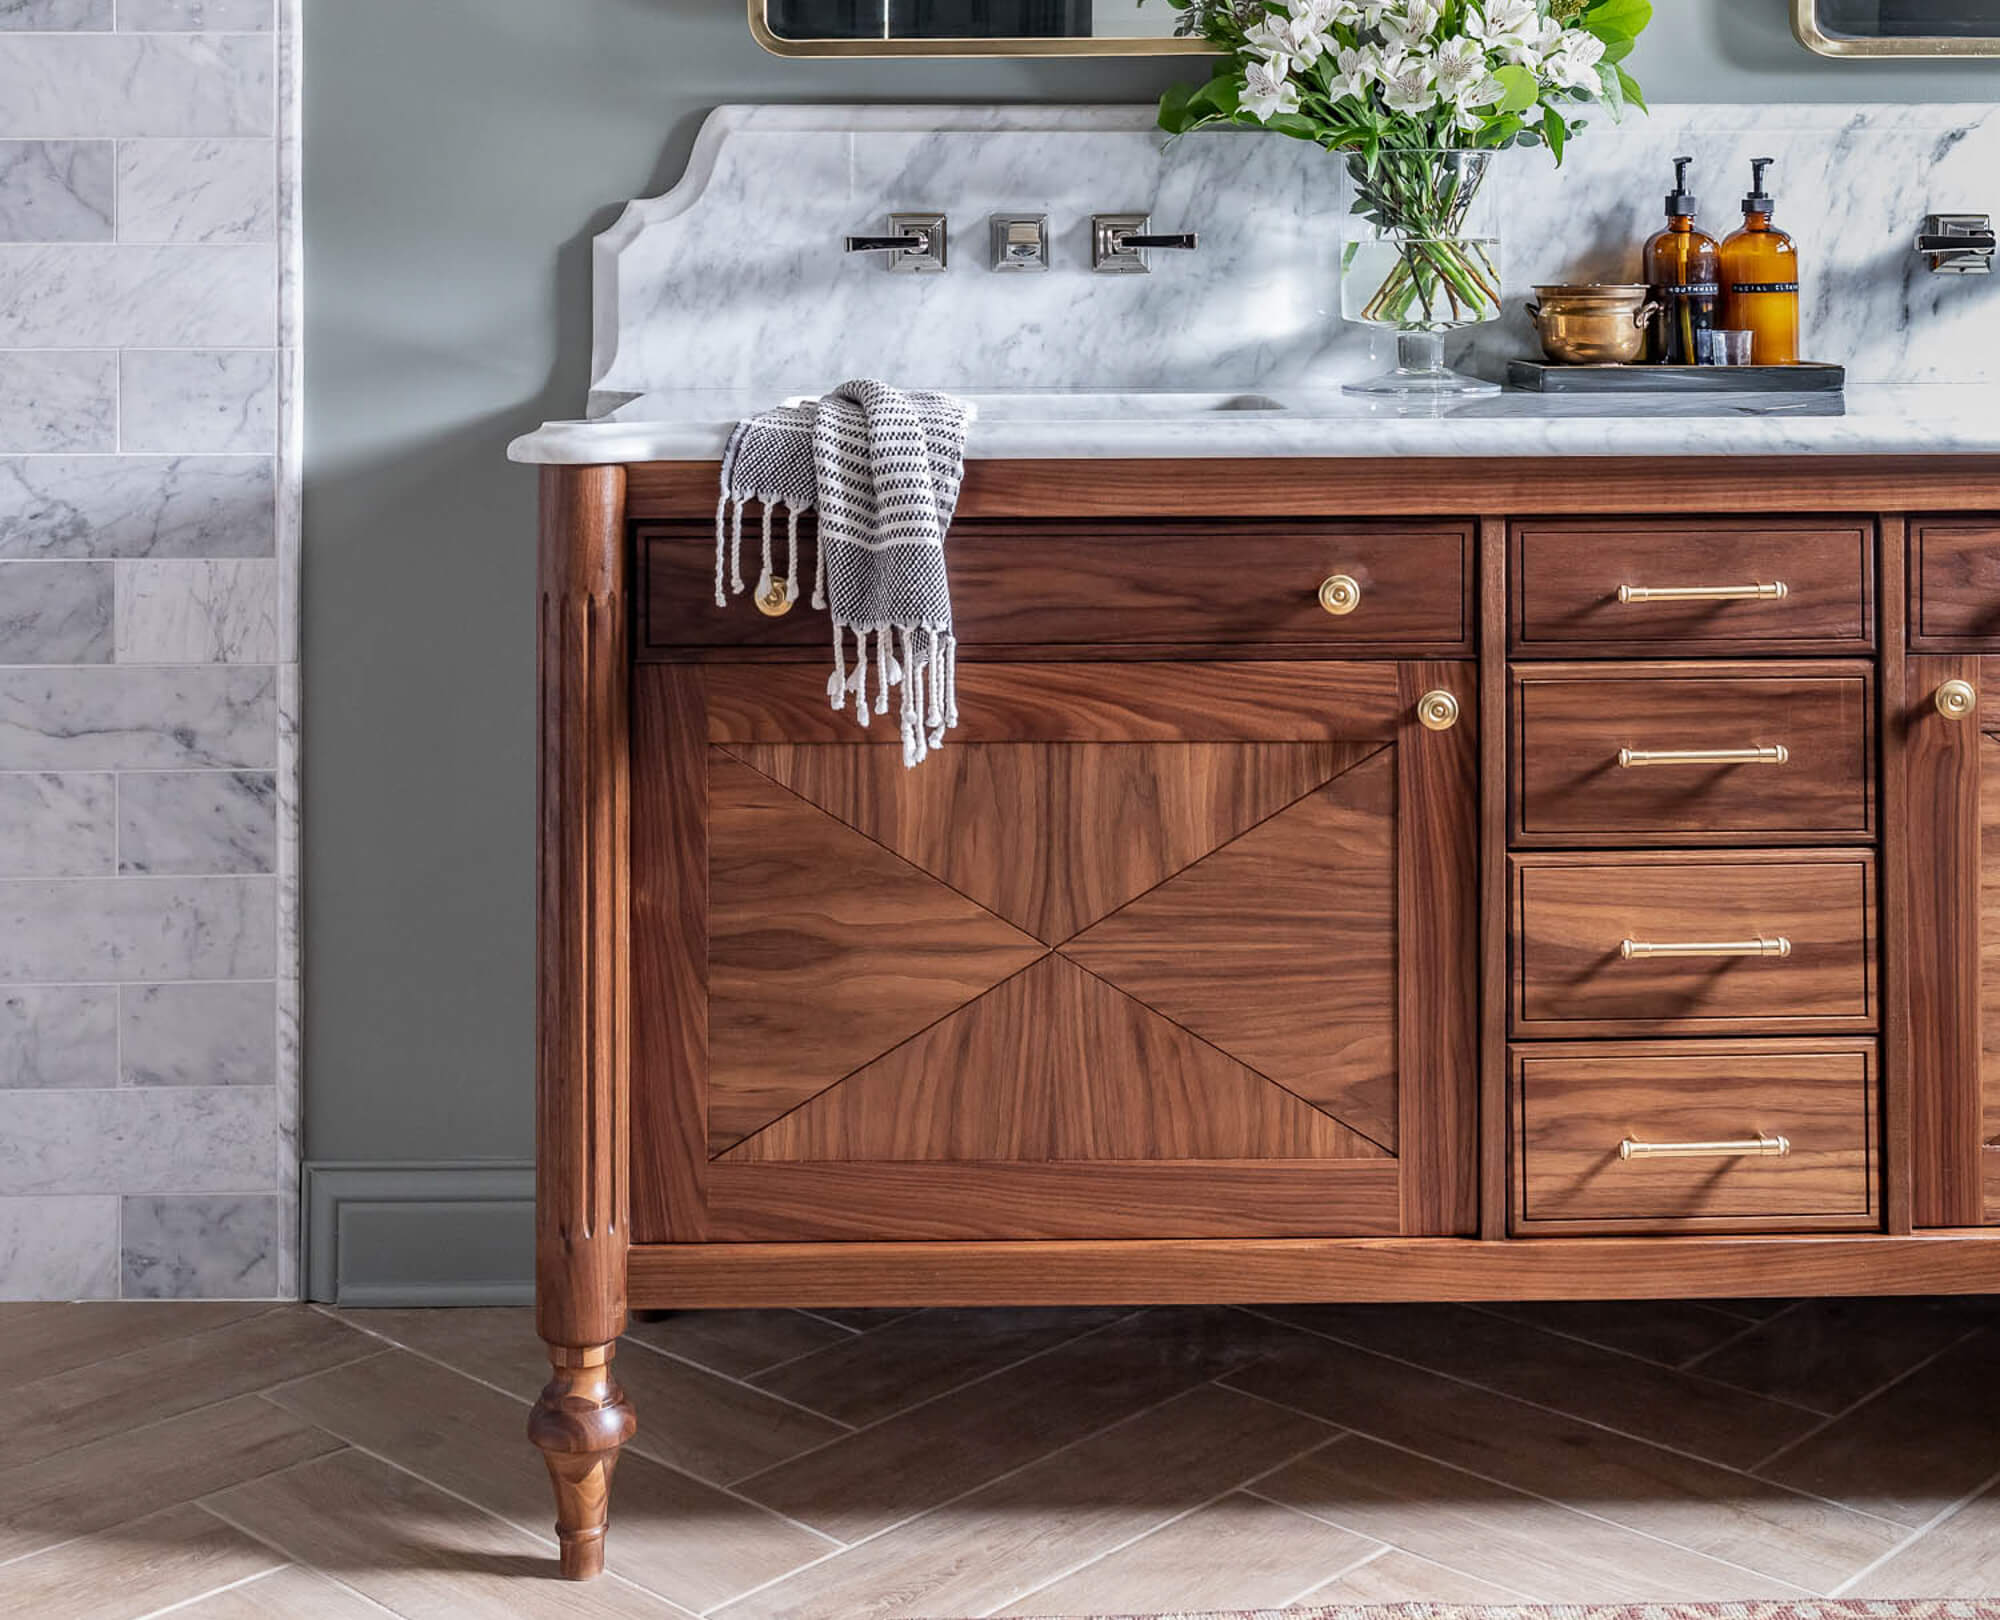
(1723,347)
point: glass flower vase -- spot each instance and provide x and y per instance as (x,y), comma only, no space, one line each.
(1422,258)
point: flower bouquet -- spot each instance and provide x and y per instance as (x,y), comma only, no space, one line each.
(1419,94)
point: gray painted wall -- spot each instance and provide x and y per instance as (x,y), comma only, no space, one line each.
(460,154)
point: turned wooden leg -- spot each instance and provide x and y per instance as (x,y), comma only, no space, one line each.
(579,1423)
(582,1023)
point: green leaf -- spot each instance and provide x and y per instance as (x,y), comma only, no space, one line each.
(1293,124)
(1632,92)
(1614,92)
(1617,46)
(1556,132)
(1627,17)
(1174,114)
(1218,98)
(1521,88)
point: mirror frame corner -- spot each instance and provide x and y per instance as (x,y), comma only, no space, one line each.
(1123,45)
(1806,25)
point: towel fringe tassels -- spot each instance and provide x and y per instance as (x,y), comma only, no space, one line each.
(736,549)
(764,575)
(861,677)
(721,549)
(819,566)
(792,582)
(836,683)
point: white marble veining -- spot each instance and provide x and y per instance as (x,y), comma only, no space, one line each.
(44,15)
(197,822)
(62,85)
(58,1035)
(197,191)
(58,1248)
(57,824)
(55,612)
(218,401)
(168,1140)
(212,612)
(200,1248)
(119,929)
(731,289)
(172,297)
(136,506)
(62,401)
(169,15)
(196,1035)
(56,191)
(106,718)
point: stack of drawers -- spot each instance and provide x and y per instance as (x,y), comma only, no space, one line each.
(1692,878)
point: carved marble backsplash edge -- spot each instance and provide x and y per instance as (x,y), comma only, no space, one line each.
(734,278)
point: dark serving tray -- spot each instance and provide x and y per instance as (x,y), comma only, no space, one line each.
(1807,377)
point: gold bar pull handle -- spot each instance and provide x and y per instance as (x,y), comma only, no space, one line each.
(1775,591)
(1774,754)
(1639,950)
(1762,1146)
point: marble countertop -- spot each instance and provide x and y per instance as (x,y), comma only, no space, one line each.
(1892,419)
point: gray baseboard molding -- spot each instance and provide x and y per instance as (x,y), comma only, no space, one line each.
(420,1234)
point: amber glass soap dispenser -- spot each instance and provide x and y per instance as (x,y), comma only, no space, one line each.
(1684,269)
(1760,279)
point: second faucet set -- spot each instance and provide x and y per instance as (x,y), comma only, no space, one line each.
(1119,243)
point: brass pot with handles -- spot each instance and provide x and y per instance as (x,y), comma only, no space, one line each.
(1597,325)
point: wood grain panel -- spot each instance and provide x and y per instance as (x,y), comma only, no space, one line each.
(1567,575)
(1303,1270)
(1571,720)
(1083,703)
(917,1205)
(1437,906)
(1392,486)
(1955,585)
(1575,1103)
(1572,914)
(1054,836)
(1053,1065)
(1125,587)
(1494,932)
(824,949)
(1989,972)
(1942,759)
(1891,709)
(1307,996)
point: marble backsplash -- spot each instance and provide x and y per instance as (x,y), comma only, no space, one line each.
(736,278)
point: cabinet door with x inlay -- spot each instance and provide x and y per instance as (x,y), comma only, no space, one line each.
(1145,950)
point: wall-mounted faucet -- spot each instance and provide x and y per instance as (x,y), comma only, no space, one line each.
(1957,244)
(916,246)
(1020,241)
(1119,242)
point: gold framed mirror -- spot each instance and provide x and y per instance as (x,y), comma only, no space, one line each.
(970,28)
(1901,28)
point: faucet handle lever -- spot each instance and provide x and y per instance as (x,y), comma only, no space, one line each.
(1175,239)
(1118,243)
(917,243)
(1958,244)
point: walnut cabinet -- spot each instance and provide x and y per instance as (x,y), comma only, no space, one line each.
(1350,880)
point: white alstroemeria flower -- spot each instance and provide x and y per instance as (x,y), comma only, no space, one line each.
(1411,30)
(1369,13)
(1355,71)
(1468,102)
(1286,39)
(1461,66)
(1573,66)
(1504,24)
(1316,16)
(1268,89)
(1409,83)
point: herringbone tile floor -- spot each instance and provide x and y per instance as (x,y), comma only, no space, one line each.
(224,1462)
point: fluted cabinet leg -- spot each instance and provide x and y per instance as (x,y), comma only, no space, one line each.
(582,1033)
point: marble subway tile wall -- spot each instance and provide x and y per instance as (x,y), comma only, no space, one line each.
(149,687)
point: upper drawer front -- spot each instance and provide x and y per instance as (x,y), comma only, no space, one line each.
(1955,583)
(1589,587)
(1577,1107)
(1680,943)
(1405,588)
(1781,753)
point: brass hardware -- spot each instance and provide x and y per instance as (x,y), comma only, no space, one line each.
(774,597)
(1776,591)
(1340,593)
(1602,324)
(1815,37)
(1638,950)
(1759,1147)
(1438,711)
(885,45)
(1775,754)
(1956,699)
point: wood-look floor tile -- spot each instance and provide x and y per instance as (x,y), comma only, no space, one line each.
(872,1478)
(1669,1331)
(1022,1531)
(670,1533)
(1239,1553)
(1958,1558)
(1913,1450)
(172,1376)
(419,1552)
(1636,1397)
(290,1593)
(127,1476)
(1699,1505)
(1829,1353)
(136,1569)
(38,1341)
(713,1427)
(1403,1577)
(865,1320)
(1521,1542)
(739,1343)
(874,1374)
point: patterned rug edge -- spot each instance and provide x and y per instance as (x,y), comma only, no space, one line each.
(1814,1609)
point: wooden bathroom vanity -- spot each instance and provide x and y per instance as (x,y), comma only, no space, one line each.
(1401,879)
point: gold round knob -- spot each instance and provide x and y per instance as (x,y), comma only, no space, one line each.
(774,596)
(1437,710)
(1340,593)
(1956,699)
